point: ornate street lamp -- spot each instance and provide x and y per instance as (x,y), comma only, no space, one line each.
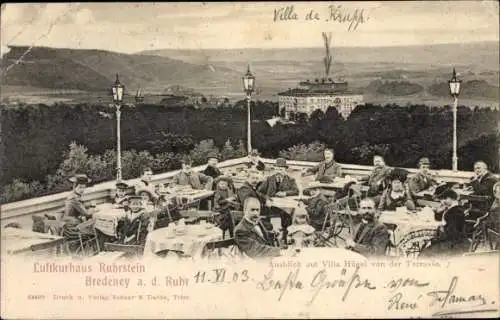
(249,87)
(454,84)
(117,91)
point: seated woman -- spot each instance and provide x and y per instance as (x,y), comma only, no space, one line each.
(75,212)
(224,202)
(300,233)
(148,199)
(397,194)
(450,238)
(136,217)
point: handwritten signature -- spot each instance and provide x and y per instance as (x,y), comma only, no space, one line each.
(319,282)
(444,299)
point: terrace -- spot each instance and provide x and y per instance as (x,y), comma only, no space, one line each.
(22,211)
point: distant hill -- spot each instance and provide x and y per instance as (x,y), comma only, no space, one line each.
(399,88)
(473,88)
(94,70)
(484,54)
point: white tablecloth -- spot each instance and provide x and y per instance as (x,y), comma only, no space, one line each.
(106,218)
(191,243)
(409,222)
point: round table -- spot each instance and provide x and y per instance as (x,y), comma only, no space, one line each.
(191,242)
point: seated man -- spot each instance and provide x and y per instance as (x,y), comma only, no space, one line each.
(450,238)
(482,185)
(315,207)
(423,180)
(377,179)
(211,170)
(370,237)
(128,227)
(279,185)
(397,194)
(121,195)
(188,177)
(254,161)
(326,170)
(249,189)
(251,236)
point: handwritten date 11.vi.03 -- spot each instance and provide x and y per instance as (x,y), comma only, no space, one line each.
(221,275)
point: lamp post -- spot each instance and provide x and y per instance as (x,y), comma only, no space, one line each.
(454,84)
(249,87)
(117,91)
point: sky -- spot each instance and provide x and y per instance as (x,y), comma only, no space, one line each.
(134,27)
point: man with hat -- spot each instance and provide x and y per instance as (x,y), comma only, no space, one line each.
(450,238)
(74,211)
(423,180)
(121,195)
(255,162)
(188,177)
(279,184)
(135,218)
(326,170)
(211,170)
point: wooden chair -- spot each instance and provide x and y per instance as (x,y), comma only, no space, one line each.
(478,234)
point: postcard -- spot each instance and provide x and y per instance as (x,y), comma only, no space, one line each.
(250,160)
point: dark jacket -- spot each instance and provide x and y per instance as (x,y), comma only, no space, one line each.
(212,171)
(251,243)
(377,180)
(453,231)
(451,239)
(316,210)
(270,186)
(371,239)
(220,200)
(484,185)
(326,171)
(194,179)
(247,190)
(420,182)
(74,208)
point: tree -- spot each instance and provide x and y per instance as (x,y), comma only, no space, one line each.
(201,151)
(228,151)
(311,152)
(241,150)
